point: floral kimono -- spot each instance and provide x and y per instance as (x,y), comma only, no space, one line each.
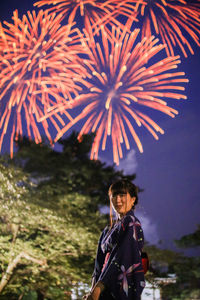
(118,262)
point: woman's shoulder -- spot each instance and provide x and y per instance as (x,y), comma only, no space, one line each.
(131,218)
(105,230)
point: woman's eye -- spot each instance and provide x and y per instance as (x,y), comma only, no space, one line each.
(122,195)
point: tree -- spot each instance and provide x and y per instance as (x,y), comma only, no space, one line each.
(44,247)
(68,170)
(187,270)
(190,240)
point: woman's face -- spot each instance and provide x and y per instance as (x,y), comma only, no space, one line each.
(122,203)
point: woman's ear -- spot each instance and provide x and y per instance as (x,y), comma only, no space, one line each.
(133,200)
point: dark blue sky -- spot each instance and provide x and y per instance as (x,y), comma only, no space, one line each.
(168,170)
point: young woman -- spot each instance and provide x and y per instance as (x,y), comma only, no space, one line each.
(118,272)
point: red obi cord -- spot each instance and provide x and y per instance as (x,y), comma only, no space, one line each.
(105,261)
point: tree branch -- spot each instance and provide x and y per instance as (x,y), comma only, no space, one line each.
(13,264)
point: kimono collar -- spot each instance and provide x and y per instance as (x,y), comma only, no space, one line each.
(129,213)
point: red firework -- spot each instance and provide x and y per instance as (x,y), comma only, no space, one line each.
(175,21)
(38,65)
(94,12)
(119,82)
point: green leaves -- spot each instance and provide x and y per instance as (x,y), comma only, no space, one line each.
(190,240)
(61,231)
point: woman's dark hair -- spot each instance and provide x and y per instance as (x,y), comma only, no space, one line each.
(122,186)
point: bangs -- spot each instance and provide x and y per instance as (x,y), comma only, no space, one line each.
(118,192)
(117,189)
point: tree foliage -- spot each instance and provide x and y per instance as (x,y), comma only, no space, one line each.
(187,270)
(56,243)
(190,240)
(68,170)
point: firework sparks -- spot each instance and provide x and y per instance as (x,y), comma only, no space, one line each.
(119,83)
(38,59)
(94,12)
(175,21)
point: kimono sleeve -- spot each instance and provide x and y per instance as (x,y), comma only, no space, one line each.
(100,257)
(123,275)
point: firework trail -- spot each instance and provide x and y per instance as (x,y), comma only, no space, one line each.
(38,59)
(94,12)
(119,83)
(175,21)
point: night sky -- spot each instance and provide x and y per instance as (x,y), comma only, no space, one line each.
(168,170)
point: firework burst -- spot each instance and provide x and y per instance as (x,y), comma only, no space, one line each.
(177,22)
(119,83)
(38,59)
(94,12)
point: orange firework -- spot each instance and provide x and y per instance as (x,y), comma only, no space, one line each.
(175,21)
(94,12)
(38,65)
(120,81)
